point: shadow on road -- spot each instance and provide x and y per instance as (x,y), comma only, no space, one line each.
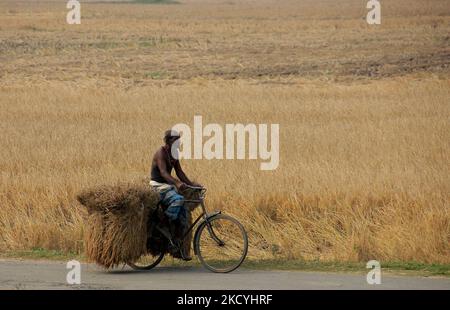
(157,270)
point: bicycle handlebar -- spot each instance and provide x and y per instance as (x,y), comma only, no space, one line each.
(196,187)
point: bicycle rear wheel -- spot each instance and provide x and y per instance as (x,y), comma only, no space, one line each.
(221,243)
(146,262)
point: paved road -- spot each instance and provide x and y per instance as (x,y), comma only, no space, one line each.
(52,275)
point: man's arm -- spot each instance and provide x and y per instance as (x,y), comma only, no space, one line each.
(182,176)
(161,163)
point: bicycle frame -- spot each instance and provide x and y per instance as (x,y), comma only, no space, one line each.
(205,216)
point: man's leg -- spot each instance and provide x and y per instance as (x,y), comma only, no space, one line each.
(177,215)
(188,239)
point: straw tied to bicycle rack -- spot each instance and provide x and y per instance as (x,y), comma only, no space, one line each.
(121,229)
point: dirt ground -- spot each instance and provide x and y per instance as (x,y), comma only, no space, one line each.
(222,40)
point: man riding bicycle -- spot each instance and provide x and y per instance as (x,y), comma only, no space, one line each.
(170,188)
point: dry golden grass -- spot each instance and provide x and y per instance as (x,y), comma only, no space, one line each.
(364,119)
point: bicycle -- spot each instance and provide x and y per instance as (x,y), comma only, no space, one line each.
(220,241)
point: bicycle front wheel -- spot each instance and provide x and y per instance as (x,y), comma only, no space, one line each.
(221,243)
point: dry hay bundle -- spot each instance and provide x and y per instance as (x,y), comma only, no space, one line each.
(117,222)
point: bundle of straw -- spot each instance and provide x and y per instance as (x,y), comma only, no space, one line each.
(117,222)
